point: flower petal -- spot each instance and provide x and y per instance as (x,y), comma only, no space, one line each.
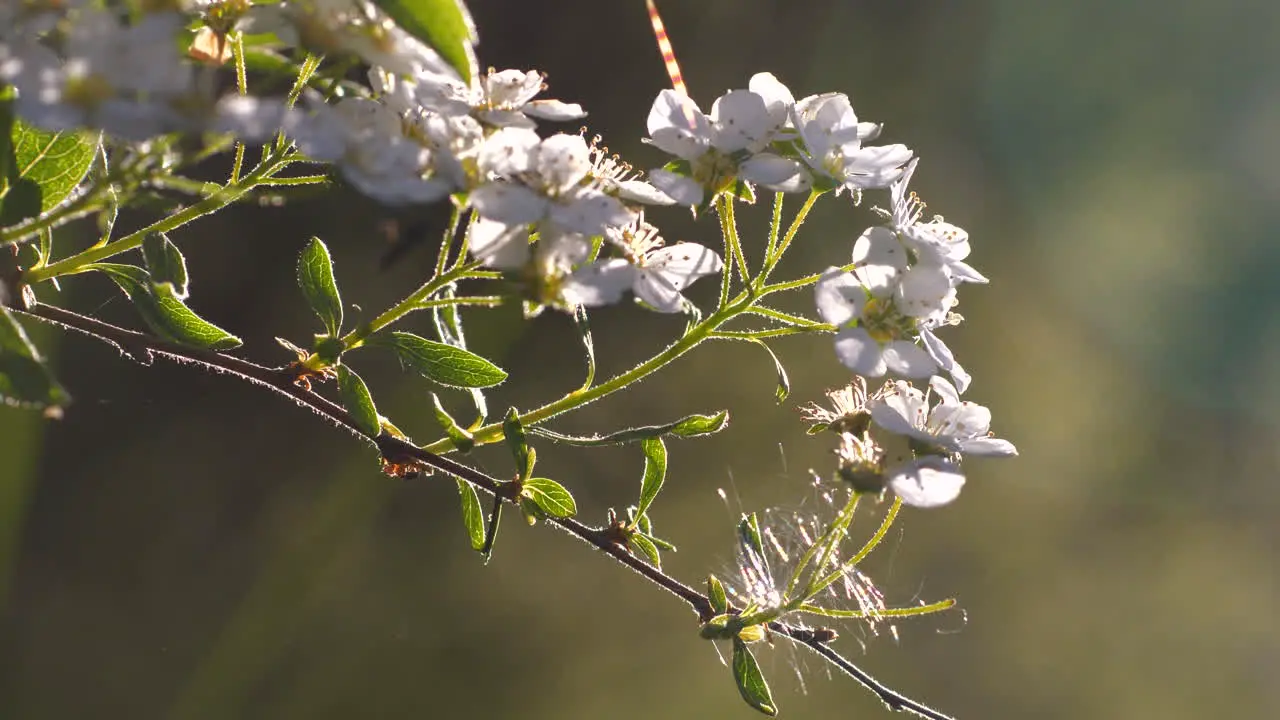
(857,351)
(839,296)
(928,482)
(908,359)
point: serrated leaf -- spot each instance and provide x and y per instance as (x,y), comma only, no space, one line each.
(655,473)
(646,548)
(42,168)
(163,312)
(165,263)
(783,388)
(690,426)
(24,377)
(315,278)
(517,442)
(751,682)
(358,402)
(715,593)
(445,25)
(472,514)
(550,496)
(440,363)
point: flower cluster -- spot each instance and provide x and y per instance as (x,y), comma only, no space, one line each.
(873,430)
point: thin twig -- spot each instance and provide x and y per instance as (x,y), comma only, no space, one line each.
(140,346)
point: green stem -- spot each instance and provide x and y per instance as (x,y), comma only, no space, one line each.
(493,432)
(796,222)
(86,204)
(775,225)
(416,300)
(225,196)
(478,300)
(729,229)
(852,562)
(752,335)
(788,318)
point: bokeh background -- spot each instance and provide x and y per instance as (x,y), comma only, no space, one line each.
(183,546)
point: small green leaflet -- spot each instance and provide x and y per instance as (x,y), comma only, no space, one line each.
(163,312)
(458,435)
(751,682)
(784,383)
(646,547)
(24,378)
(715,593)
(440,363)
(40,168)
(445,25)
(358,402)
(165,263)
(315,277)
(472,514)
(655,473)
(550,496)
(690,426)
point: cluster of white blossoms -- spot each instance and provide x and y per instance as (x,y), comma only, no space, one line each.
(939,430)
(557,213)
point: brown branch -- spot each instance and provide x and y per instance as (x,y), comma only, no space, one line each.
(141,347)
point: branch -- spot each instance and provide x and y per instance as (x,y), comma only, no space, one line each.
(142,347)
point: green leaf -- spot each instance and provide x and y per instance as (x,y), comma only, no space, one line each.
(315,277)
(459,436)
(163,312)
(695,425)
(550,496)
(24,377)
(517,442)
(784,383)
(715,593)
(165,263)
(41,168)
(641,542)
(583,324)
(472,514)
(749,537)
(690,426)
(358,402)
(751,682)
(655,473)
(440,363)
(445,25)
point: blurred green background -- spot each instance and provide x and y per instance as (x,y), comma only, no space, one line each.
(183,546)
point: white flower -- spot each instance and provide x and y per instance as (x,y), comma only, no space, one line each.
(115,78)
(507,247)
(354,26)
(365,140)
(655,274)
(832,138)
(936,242)
(926,482)
(543,179)
(727,145)
(498,99)
(875,336)
(951,425)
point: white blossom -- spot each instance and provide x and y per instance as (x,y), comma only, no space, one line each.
(656,274)
(832,144)
(951,425)
(936,242)
(725,146)
(543,179)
